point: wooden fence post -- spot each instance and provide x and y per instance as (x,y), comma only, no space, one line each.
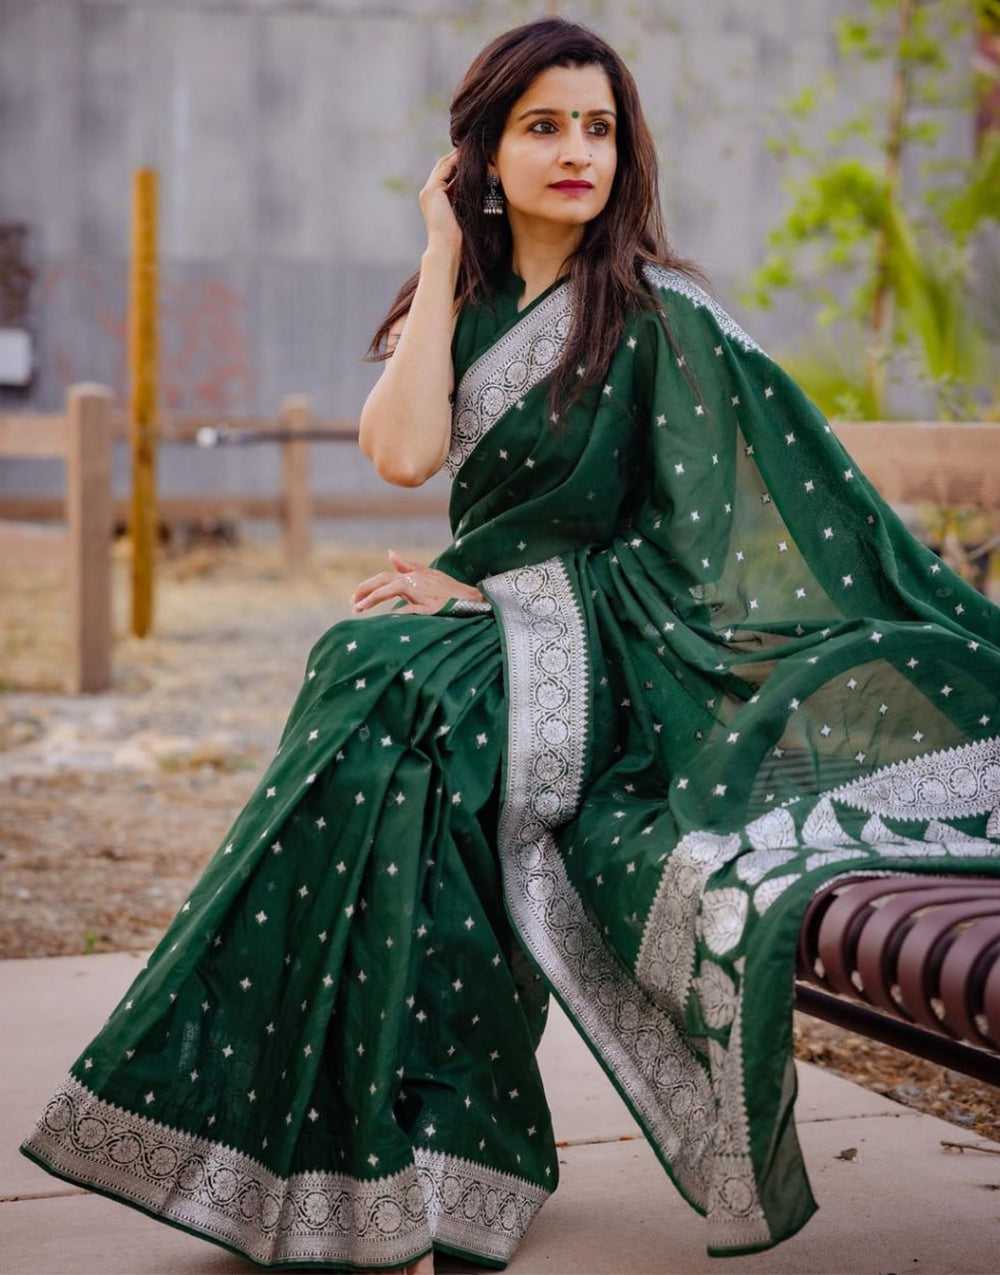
(296,510)
(88,535)
(142,359)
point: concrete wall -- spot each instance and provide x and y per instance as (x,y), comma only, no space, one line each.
(291,137)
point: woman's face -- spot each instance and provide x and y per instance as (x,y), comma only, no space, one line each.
(558,153)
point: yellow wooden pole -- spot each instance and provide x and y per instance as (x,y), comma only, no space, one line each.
(142,358)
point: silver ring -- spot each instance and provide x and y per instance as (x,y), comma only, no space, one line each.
(410,581)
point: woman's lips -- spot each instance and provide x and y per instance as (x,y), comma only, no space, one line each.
(573,188)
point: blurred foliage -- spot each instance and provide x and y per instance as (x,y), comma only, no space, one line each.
(882,233)
(832,373)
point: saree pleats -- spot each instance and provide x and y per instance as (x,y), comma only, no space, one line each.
(330,1056)
(713,674)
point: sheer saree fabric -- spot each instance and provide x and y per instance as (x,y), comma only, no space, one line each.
(715,672)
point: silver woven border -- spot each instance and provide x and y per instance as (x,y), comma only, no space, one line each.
(637,1039)
(227,1196)
(676,281)
(501,377)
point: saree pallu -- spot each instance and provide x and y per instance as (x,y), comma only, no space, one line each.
(714,672)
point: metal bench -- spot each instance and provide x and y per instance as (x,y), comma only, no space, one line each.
(911,961)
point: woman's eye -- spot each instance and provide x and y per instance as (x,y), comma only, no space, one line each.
(541,126)
(602,126)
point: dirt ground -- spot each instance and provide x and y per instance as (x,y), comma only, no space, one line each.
(111,805)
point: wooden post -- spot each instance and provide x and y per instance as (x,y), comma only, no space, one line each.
(296,501)
(88,536)
(142,357)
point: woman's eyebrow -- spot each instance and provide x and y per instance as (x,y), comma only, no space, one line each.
(551,110)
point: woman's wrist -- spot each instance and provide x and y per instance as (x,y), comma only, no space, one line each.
(440,254)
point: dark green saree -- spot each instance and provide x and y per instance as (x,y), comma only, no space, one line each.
(714,672)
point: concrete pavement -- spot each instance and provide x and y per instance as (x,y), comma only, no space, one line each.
(902,1204)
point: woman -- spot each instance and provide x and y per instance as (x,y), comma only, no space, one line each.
(678,668)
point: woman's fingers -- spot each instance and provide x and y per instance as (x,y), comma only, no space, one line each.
(397,587)
(435,203)
(425,589)
(384,577)
(443,169)
(402,564)
(373,582)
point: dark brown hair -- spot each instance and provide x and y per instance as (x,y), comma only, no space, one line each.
(606,270)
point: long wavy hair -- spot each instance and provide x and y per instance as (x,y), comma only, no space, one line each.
(606,270)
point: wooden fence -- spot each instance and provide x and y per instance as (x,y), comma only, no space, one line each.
(82,439)
(910,462)
(928,462)
(295,505)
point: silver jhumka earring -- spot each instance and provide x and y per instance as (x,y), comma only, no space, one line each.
(493,202)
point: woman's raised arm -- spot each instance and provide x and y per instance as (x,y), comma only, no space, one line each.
(406,420)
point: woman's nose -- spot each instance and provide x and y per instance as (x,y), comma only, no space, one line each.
(575,152)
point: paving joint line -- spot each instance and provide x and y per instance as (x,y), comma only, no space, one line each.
(864,1115)
(23,1197)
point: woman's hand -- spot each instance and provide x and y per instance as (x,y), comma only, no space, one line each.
(425,589)
(439,217)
